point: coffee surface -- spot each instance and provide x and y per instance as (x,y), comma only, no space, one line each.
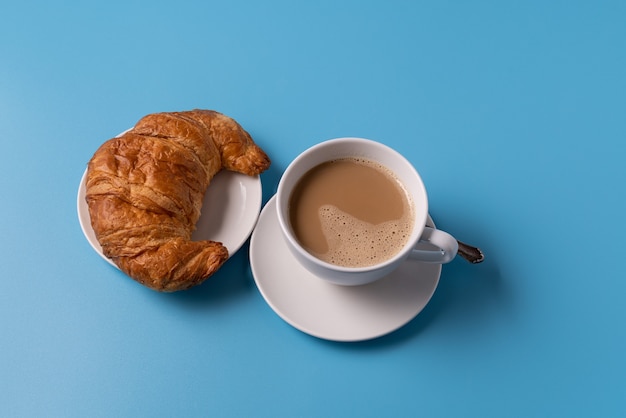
(351,212)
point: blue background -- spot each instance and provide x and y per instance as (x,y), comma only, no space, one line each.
(513,112)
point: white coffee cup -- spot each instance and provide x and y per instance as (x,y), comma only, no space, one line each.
(364,148)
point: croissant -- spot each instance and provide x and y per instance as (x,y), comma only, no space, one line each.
(144,190)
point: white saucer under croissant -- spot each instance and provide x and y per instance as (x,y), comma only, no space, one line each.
(328,311)
(230,210)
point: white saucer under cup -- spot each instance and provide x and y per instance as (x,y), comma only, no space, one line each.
(329,311)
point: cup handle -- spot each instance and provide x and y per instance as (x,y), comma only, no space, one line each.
(447,244)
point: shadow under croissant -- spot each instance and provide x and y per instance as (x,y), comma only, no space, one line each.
(229,282)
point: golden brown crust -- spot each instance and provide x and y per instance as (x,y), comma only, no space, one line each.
(145,190)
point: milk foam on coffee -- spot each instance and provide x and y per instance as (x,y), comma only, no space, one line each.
(351,212)
(353,242)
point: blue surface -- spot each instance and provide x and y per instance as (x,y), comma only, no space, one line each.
(514,113)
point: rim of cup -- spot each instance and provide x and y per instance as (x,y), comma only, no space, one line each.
(288,181)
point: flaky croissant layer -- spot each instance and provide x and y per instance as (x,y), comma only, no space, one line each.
(145,189)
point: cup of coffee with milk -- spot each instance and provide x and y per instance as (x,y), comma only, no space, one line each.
(352,210)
